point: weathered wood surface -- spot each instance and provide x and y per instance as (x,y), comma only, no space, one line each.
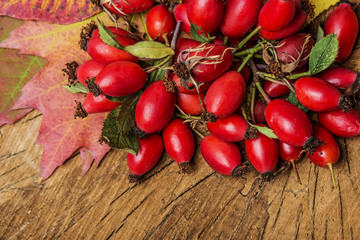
(169,205)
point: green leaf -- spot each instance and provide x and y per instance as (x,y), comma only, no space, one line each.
(77,88)
(320,34)
(108,37)
(266,131)
(146,50)
(323,54)
(293,99)
(116,99)
(117,129)
(194,32)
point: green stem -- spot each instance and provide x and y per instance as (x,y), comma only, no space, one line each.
(144,25)
(245,61)
(253,50)
(274,81)
(248,37)
(332,175)
(226,39)
(298,75)
(198,133)
(185,117)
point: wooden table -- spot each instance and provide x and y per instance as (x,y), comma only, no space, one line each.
(169,205)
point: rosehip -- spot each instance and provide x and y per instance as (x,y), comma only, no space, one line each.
(206,14)
(341,78)
(263,153)
(339,123)
(240,16)
(295,48)
(223,157)
(293,27)
(189,103)
(87,70)
(277,14)
(151,148)
(119,79)
(344,23)
(319,95)
(326,154)
(229,129)
(154,108)
(105,54)
(180,14)
(290,124)
(225,94)
(291,154)
(128,7)
(259,111)
(160,22)
(179,143)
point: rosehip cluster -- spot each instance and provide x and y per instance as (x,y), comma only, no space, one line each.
(294,104)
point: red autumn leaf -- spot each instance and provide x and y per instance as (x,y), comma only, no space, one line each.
(15,71)
(60,134)
(52,11)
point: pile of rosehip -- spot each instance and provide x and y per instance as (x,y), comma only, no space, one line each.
(244,74)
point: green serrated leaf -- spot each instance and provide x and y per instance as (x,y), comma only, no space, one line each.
(320,34)
(293,99)
(194,33)
(266,131)
(323,54)
(108,37)
(146,50)
(117,129)
(77,88)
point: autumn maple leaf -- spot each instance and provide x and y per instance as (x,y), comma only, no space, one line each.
(60,134)
(52,11)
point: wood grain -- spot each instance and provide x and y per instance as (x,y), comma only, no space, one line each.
(169,205)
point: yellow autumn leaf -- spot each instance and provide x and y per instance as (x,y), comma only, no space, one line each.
(321,5)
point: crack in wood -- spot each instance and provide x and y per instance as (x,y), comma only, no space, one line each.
(12,169)
(326,229)
(346,155)
(341,211)
(188,189)
(281,203)
(313,206)
(103,218)
(298,220)
(118,197)
(9,155)
(30,119)
(161,223)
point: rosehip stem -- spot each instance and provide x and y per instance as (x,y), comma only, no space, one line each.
(257,82)
(176,35)
(296,172)
(198,133)
(226,39)
(332,175)
(186,117)
(248,37)
(245,61)
(252,51)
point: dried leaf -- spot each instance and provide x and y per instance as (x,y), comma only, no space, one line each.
(321,5)
(52,11)
(60,134)
(15,71)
